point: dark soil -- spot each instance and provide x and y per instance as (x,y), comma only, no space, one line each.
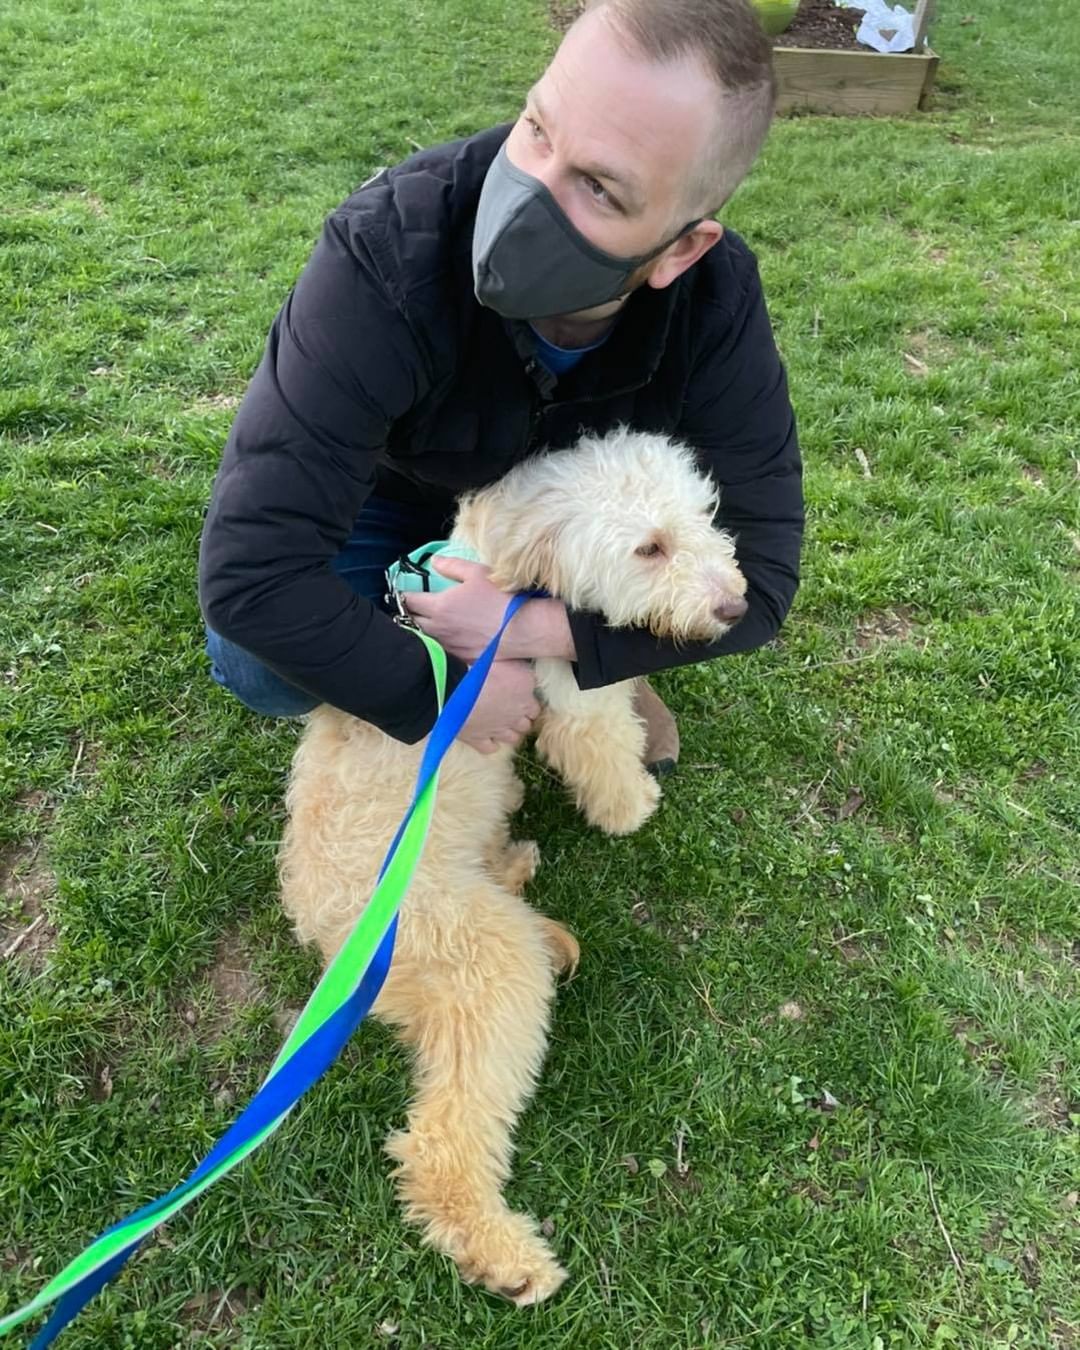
(819,23)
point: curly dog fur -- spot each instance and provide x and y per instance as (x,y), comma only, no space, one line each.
(622,525)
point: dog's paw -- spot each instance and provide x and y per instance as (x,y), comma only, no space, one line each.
(513,1262)
(623,807)
(562,946)
(520,862)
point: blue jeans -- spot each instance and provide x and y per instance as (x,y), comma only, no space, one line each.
(383,531)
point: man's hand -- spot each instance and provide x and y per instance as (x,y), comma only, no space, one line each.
(505,710)
(466,617)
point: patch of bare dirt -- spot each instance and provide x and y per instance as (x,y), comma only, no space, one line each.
(1051,1110)
(99,1081)
(233,987)
(990,1240)
(1035,770)
(18,1259)
(1027,1262)
(218,1308)
(231,978)
(284,1019)
(216,403)
(915,365)
(1060,952)
(889,625)
(26,885)
(86,755)
(692,926)
(925,350)
(813,1192)
(863,945)
(979,1046)
(852,803)
(90,200)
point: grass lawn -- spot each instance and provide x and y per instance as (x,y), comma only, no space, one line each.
(863,882)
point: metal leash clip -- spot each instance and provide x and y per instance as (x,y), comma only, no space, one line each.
(404,567)
(393,599)
(402,618)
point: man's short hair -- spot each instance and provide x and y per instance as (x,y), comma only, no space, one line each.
(725,37)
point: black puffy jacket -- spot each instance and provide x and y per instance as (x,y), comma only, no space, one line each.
(382,372)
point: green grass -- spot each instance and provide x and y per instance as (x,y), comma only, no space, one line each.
(876,818)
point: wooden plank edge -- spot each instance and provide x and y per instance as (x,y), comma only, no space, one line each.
(867,55)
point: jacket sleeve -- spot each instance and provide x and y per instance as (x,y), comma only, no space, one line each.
(340,365)
(738,416)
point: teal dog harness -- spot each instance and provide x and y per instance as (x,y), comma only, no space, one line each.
(413,572)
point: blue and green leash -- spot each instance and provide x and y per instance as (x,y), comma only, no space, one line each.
(340,1001)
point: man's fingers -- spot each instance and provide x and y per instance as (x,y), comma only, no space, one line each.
(457,569)
(419,602)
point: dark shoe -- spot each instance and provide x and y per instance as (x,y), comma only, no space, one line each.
(661,733)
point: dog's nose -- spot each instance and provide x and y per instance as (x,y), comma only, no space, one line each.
(730,609)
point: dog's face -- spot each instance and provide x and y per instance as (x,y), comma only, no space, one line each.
(621,525)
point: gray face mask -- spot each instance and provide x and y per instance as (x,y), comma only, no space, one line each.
(529,261)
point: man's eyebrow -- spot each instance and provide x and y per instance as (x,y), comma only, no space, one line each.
(629,189)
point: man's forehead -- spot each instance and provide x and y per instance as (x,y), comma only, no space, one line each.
(607,168)
(640,118)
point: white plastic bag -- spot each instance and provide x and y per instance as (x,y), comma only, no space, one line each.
(878,20)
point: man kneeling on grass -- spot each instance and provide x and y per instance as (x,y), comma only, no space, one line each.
(481,301)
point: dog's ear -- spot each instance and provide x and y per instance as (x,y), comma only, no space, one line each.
(525,561)
(510,536)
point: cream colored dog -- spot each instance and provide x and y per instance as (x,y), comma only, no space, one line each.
(622,526)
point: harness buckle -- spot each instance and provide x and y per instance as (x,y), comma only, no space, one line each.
(394,597)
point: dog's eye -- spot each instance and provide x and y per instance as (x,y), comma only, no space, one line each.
(650,550)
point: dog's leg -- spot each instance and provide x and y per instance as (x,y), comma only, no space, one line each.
(515,864)
(514,869)
(473,1001)
(510,863)
(595,742)
(562,945)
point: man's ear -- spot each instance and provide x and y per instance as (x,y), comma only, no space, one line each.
(684,253)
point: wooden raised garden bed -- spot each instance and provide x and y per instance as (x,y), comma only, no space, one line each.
(821,68)
(847,77)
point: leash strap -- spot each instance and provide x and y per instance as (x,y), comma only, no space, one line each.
(340,1001)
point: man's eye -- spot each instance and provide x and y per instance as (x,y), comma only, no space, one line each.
(534,127)
(597,189)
